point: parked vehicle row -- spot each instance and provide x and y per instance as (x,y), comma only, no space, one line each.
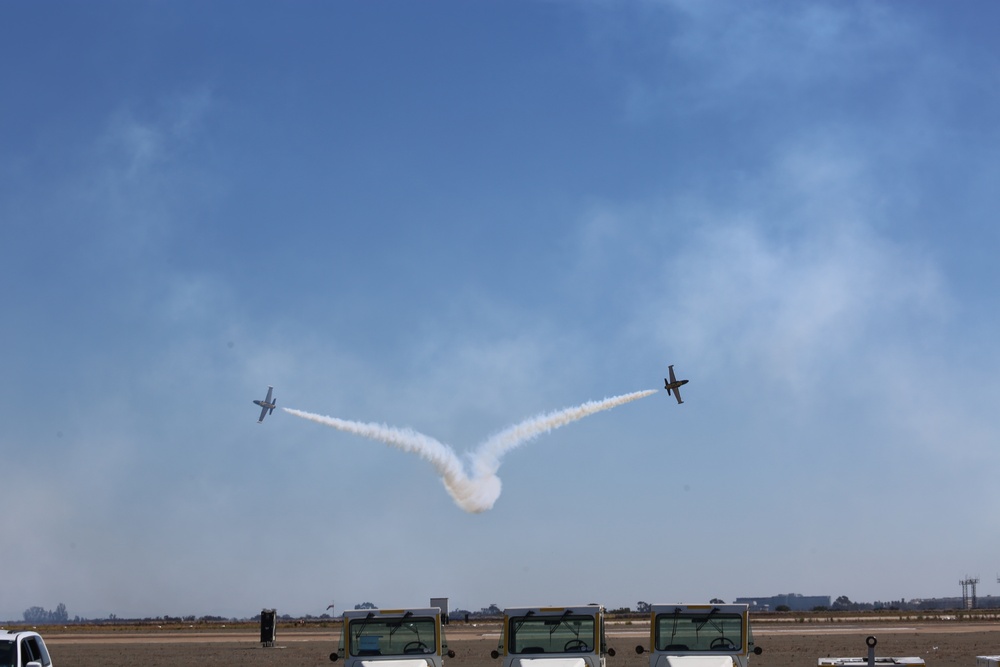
(681,635)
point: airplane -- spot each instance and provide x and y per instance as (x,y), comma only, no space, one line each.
(267,405)
(672,385)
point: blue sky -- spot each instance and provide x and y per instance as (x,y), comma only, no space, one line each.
(452,216)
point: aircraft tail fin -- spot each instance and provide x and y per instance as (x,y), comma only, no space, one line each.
(274,404)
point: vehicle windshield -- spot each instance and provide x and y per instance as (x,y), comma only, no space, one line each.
(715,631)
(387,636)
(569,633)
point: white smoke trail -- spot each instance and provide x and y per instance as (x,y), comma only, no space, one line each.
(471,495)
(478,492)
(486,458)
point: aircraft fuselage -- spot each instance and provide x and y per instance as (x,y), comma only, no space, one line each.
(266,404)
(673,385)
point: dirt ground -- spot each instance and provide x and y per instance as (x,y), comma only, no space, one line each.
(785,645)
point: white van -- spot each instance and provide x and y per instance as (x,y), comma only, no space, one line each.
(392,638)
(23,648)
(700,635)
(553,637)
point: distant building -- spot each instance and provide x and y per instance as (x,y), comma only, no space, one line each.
(793,601)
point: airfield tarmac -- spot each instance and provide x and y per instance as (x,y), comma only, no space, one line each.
(940,644)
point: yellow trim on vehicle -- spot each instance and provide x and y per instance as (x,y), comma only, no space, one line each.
(439,631)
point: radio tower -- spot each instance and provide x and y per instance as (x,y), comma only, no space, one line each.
(969,582)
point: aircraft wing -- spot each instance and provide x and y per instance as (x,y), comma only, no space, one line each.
(263,413)
(269,390)
(671,369)
(677,392)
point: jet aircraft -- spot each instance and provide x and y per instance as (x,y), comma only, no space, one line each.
(672,385)
(267,405)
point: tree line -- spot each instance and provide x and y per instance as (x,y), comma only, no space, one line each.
(38,615)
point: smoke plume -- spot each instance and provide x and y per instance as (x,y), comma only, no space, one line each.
(477,489)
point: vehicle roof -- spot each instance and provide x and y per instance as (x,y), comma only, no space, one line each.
(18,633)
(384,613)
(668,608)
(588,609)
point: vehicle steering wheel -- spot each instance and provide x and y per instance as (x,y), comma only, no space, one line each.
(577,645)
(416,647)
(723,643)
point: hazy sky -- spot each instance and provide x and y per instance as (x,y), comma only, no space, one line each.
(453,216)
